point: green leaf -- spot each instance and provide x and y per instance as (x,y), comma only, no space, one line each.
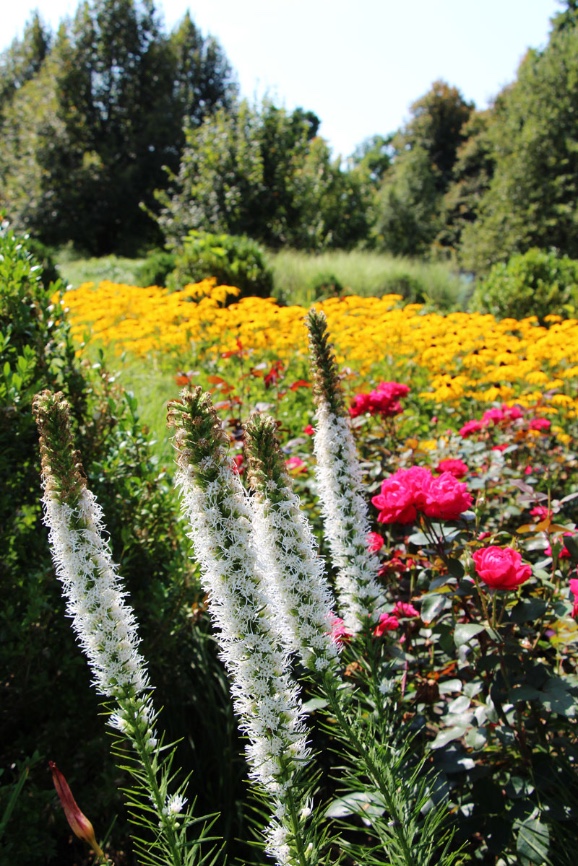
(464,632)
(528,609)
(533,842)
(432,605)
(447,735)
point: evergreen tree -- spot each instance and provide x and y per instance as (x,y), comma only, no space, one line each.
(23,59)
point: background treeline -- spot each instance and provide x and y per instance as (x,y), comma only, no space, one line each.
(119,137)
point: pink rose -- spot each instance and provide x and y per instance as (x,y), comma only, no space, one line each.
(457,468)
(360,405)
(513,412)
(404,609)
(387,622)
(374,541)
(471,427)
(539,424)
(501,567)
(447,498)
(402,494)
(295,465)
(309,430)
(541,512)
(493,416)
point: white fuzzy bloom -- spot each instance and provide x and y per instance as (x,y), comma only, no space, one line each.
(265,697)
(175,804)
(346,519)
(104,623)
(299,595)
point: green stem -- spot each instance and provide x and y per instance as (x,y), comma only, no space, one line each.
(349,734)
(140,736)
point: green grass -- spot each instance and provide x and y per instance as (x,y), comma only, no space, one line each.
(367,274)
(298,275)
(114,268)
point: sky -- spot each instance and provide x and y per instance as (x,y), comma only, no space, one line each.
(358,64)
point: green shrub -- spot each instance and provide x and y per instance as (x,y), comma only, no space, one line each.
(325,285)
(155,269)
(233,260)
(49,273)
(536,283)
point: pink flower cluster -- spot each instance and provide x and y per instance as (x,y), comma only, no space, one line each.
(409,492)
(501,567)
(390,621)
(384,400)
(455,467)
(503,415)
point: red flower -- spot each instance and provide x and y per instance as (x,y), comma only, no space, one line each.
(471,427)
(403,609)
(410,491)
(402,494)
(79,823)
(339,633)
(493,416)
(501,567)
(238,464)
(382,401)
(375,541)
(447,498)
(309,430)
(541,512)
(457,468)
(295,465)
(539,424)
(387,622)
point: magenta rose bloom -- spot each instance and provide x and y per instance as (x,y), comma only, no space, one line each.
(501,567)
(471,427)
(447,498)
(360,404)
(395,502)
(455,467)
(402,495)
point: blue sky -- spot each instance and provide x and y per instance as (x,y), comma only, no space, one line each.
(359,64)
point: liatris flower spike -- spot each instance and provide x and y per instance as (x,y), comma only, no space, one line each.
(265,697)
(105,627)
(300,596)
(340,488)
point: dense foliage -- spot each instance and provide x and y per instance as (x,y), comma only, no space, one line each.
(82,163)
(231,261)
(533,284)
(80,155)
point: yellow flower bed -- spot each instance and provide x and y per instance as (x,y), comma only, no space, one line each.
(464,355)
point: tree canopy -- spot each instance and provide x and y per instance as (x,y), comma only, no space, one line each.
(88,131)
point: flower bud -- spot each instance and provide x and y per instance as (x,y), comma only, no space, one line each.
(79,823)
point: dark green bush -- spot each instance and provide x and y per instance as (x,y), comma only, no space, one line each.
(155,269)
(233,260)
(325,285)
(537,283)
